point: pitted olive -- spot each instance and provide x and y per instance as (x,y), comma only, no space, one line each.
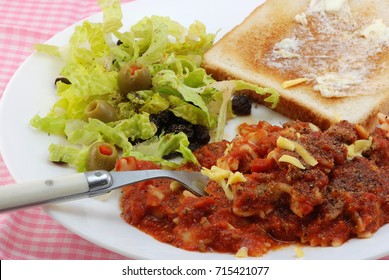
(133,78)
(101,156)
(101,110)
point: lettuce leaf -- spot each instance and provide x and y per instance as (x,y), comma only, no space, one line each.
(156,147)
(222,103)
(167,82)
(153,35)
(173,55)
(271,95)
(191,113)
(71,155)
(155,104)
(49,49)
(112,14)
(79,133)
(52,125)
(138,126)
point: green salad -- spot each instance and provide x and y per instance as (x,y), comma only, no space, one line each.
(101,62)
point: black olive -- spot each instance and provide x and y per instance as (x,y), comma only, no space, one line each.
(166,121)
(162,119)
(171,155)
(241,105)
(195,145)
(202,134)
(177,127)
(63,80)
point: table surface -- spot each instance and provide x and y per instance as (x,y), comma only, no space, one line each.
(31,233)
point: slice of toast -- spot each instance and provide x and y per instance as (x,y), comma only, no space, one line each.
(340,53)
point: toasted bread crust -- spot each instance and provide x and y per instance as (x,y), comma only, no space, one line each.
(238,56)
(295,110)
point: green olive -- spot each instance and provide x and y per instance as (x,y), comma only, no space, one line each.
(101,110)
(101,156)
(133,78)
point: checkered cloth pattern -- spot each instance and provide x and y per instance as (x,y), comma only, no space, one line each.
(32,234)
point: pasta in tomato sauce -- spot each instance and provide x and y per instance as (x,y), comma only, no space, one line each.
(271,186)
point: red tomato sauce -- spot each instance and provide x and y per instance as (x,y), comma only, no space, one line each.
(278,203)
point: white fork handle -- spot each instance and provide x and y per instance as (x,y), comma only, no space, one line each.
(41,191)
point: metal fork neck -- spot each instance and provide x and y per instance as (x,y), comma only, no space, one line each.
(98,180)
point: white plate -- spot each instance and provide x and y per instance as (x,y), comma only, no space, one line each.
(24,150)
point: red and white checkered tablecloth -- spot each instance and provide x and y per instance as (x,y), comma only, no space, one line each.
(31,234)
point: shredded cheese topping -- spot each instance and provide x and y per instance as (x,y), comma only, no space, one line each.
(224,178)
(174,186)
(242,253)
(285,143)
(299,252)
(187,193)
(290,145)
(358,147)
(292,83)
(292,160)
(306,156)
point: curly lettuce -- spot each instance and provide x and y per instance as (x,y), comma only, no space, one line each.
(92,60)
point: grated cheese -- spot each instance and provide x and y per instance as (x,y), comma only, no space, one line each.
(220,176)
(285,143)
(313,127)
(216,173)
(299,252)
(306,156)
(156,192)
(174,186)
(290,145)
(227,190)
(228,148)
(187,193)
(242,253)
(224,178)
(292,160)
(292,83)
(235,178)
(358,147)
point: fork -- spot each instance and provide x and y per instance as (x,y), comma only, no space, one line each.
(89,184)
